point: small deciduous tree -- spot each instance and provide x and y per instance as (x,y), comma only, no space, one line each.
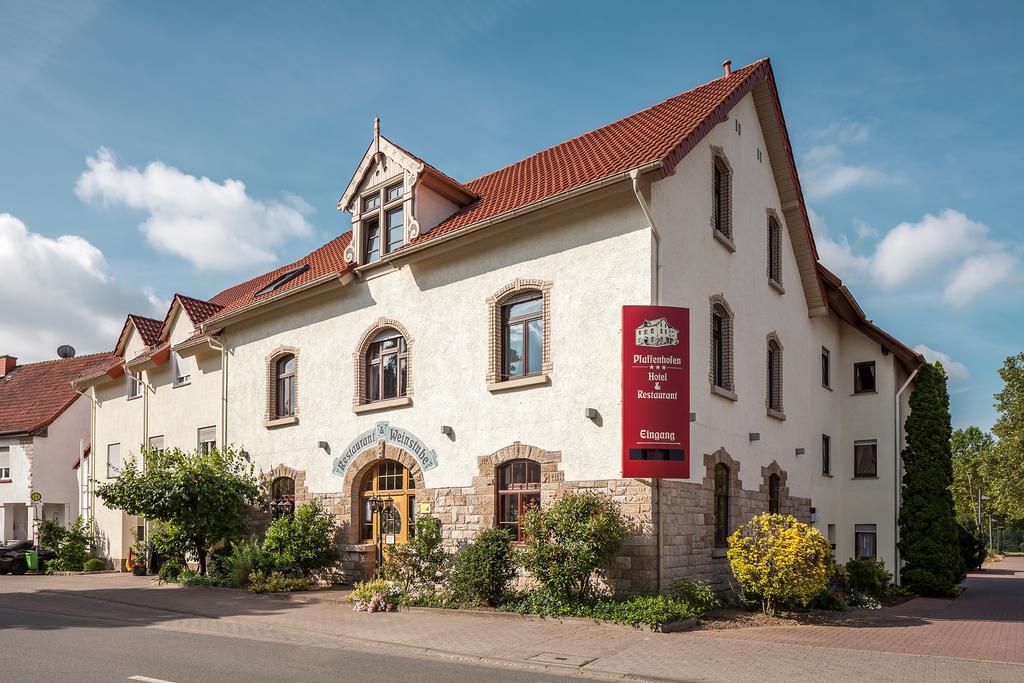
(929,540)
(780,559)
(207,496)
(484,568)
(303,541)
(572,540)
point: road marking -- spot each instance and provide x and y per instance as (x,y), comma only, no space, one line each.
(147,679)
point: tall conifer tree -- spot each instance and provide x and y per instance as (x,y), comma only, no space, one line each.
(929,543)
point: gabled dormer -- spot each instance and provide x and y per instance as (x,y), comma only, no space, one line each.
(394,197)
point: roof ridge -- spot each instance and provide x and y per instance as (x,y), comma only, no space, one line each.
(58,360)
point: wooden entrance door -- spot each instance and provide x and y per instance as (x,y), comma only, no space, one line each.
(389,480)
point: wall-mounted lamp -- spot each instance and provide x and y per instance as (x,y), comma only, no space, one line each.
(800,451)
(324,445)
(693,417)
(755,436)
(448,431)
(590,413)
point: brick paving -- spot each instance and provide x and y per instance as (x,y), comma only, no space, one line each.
(976,637)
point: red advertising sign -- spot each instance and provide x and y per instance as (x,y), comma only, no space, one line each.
(655,392)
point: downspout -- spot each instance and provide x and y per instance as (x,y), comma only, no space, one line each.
(90,468)
(218,346)
(896,471)
(634,176)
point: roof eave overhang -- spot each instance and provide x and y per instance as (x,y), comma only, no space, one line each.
(98,378)
(193,347)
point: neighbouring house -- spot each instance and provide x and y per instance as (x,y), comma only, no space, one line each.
(44,434)
(458,351)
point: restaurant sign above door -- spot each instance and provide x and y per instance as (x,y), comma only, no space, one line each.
(655,392)
(384,431)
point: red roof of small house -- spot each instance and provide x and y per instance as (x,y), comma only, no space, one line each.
(148,328)
(197,310)
(35,394)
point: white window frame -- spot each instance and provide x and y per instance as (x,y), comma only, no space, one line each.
(5,469)
(111,465)
(134,385)
(859,529)
(156,442)
(200,441)
(178,361)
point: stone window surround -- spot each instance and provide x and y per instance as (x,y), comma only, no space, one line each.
(270,418)
(718,304)
(495,333)
(774,239)
(359,402)
(735,490)
(719,160)
(766,473)
(776,411)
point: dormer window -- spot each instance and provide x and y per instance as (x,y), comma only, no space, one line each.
(385,206)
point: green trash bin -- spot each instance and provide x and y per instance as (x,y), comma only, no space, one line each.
(32,559)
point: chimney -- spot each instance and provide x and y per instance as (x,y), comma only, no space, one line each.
(7,364)
(727,65)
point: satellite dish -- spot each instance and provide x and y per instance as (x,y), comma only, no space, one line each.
(66,351)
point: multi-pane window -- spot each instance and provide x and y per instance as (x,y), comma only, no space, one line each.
(826,454)
(774,250)
(387,366)
(522,320)
(864,541)
(383,208)
(395,484)
(721,505)
(284,391)
(774,376)
(282,497)
(113,460)
(518,489)
(134,383)
(721,191)
(182,368)
(865,458)
(5,462)
(207,437)
(864,377)
(826,368)
(774,482)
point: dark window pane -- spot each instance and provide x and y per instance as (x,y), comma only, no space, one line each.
(865,460)
(396,229)
(372,240)
(534,472)
(863,377)
(389,375)
(509,508)
(403,374)
(373,382)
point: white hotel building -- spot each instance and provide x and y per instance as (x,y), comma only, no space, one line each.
(459,349)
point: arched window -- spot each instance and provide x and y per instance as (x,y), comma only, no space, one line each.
(721,196)
(773,494)
(774,250)
(284,392)
(721,505)
(518,484)
(721,365)
(773,385)
(522,322)
(387,366)
(282,497)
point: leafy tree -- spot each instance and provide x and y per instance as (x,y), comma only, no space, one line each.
(207,496)
(1005,467)
(303,541)
(417,566)
(929,539)
(780,559)
(570,541)
(972,448)
(71,544)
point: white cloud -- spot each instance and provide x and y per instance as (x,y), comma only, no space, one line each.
(954,370)
(60,291)
(825,170)
(977,275)
(215,226)
(837,255)
(912,250)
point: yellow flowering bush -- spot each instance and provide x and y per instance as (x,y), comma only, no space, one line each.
(780,559)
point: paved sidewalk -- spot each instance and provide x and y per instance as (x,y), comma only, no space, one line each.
(918,640)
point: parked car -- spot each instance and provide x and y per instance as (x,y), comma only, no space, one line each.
(13,560)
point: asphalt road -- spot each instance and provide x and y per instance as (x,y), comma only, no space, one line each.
(47,646)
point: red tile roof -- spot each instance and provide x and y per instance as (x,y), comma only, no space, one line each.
(35,394)
(197,309)
(657,133)
(148,328)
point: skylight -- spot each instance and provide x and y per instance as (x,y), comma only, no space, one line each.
(283,279)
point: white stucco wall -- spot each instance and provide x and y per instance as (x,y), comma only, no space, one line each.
(54,455)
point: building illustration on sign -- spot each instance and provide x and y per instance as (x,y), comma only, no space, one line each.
(656,332)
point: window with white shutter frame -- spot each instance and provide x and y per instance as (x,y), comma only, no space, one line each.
(207,439)
(5,462)
(182,369)
(113,460)
(156,443)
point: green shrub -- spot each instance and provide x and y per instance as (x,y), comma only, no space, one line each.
(169,541)
(780,560)
(697,594)
(303,541)
(484,568)
(171,570)
(276,582)
(417,565)
(191,578)
(377,595)
(94,564)
(246,557)
(867,576)
(638,610)
(972,551)
(569,542)
(51,534)
(72,545)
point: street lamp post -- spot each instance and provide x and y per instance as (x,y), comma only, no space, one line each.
(378,505)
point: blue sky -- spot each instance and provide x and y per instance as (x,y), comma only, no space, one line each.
(147,149)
